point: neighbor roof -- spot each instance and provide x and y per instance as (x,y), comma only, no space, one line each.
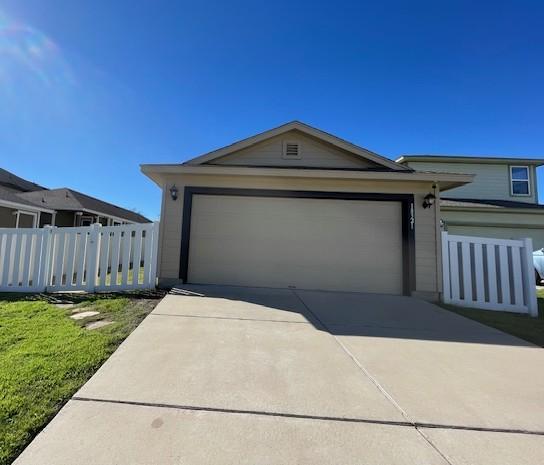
(488,204)
(68,199)
(305,129)
(12,181)
(470,159)
(8,197)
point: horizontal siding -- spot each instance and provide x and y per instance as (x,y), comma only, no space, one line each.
(492,181)
(426,250)
(314,154)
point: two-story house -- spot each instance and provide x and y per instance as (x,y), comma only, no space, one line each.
(501,202)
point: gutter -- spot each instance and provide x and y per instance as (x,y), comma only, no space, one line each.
(22,206)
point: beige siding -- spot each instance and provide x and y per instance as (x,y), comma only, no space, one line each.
(426,246)
(492,180)
(505,225)
(7,218)
(336,245)
(315,154)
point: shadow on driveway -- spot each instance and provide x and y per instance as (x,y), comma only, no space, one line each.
(356,314)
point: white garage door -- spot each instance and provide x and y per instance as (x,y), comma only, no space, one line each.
(345,245)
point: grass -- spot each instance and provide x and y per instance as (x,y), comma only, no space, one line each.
(522,326)
(130,276)
(45,356)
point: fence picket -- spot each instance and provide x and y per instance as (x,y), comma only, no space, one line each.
(467,271)
(7,261)
(27,262)
(504,273)
(58,258)
(454,265)
(116,242)
(104,254)
(16,271)
(137,258)
(70,259)
(446,284)
(81,247)
(125,259)
(479,273)
(492,274)
(517,276)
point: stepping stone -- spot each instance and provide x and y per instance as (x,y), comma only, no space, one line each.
(82,315)
(65,306)
(98,324)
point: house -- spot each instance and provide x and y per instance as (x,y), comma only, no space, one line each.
(502,201)
(24,204)
(296,207)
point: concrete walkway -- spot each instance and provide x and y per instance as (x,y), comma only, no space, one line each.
(227,375)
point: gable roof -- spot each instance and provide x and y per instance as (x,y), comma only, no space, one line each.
(470,159)
(68,199)
(305,129)
(11,181)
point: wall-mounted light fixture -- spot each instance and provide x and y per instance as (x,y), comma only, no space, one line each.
(428,200)
(174,192)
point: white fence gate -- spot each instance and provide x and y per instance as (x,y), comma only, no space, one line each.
(92,258)
(487,273)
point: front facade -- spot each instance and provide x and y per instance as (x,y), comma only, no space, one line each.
(295,207)
(501,202)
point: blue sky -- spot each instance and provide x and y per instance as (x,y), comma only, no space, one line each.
(89,90)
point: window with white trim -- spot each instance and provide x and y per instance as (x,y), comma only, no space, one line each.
(519,180)
(291,150)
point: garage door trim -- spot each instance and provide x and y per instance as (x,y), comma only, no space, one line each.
(406,200)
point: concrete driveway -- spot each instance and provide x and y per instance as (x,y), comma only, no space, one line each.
(229,375)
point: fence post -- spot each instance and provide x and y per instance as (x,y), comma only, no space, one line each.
(530,286)
(93,254)
(446,294)
(155,258)
(45,257)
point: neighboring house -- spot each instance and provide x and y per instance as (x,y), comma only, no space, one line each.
(295,207)
(502,201)
(24,204)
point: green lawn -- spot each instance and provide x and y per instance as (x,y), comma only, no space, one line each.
(522,326)
(45,357)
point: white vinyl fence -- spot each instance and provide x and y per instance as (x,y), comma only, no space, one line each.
(488,273)
(92,258)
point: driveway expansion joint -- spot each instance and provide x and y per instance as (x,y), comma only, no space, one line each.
(302,416)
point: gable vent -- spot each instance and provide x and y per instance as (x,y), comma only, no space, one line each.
(291,150)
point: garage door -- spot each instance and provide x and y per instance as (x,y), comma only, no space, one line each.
(342,245)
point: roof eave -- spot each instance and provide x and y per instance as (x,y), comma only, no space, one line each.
(491,210)
(446,180)
(468,159)
(23,206)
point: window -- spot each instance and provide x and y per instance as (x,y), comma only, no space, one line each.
(519,180)
(291,150)
(86,221)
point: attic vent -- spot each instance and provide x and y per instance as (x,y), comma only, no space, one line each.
(291,150)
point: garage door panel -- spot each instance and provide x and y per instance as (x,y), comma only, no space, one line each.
(306,243)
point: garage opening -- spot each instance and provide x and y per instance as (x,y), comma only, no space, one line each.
(337,244)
